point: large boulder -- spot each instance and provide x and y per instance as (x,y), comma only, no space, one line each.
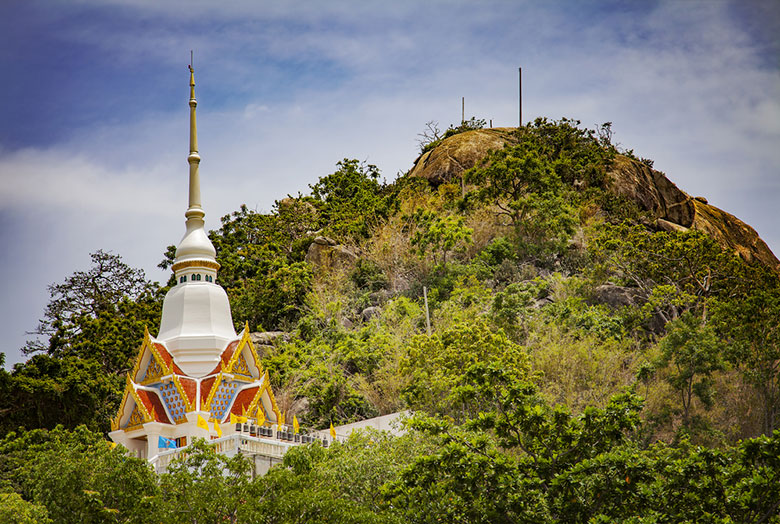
(327,254)
(675,210)
(263,340)
(733,233)
(672,208)
(370,312)
(651,190)
(268,338)
(460,152)
(616,297)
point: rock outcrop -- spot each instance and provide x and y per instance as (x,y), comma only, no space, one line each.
(672,208)
(268,338)
(617,297)
(327,254)
(651,190)
(265,340)
(733,233)
(458,153)
(675,210)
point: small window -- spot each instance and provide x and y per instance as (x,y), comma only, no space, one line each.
(209,278)
(197,277)
(182,279)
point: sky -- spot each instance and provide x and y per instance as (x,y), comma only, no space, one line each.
(94,114)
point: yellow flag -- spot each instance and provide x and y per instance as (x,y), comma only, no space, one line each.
(233,419)
(281,421)
(296,427)
(260,417)
(332,431)
(202,423)
(217,428)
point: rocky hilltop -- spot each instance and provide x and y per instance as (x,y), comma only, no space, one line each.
(651,190)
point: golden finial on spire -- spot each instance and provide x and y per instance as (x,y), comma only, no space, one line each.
(192,77)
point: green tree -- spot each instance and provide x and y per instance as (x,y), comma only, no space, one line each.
(46,391)
(692,352)
(271,301)
(522,184)
(436,365)
(14,508)
(675,271)
(351,201)
(750,324)
(90,333)
(205,486)
(340,484)
(78,477)
(438,233)
(502,463)
(99,314)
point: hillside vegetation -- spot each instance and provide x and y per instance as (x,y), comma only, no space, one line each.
(600,344)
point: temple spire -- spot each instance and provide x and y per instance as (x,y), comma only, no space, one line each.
(195,249)
(195,209)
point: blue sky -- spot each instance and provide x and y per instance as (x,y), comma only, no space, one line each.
(93,123)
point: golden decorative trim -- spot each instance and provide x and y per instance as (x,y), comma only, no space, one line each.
(139,357)
(253,405)
(246,340)
(266,387)
(139,405)
(195,263)
(213,391)
(154,372)
(136,418)
(189,402)
(241,367)
(128,387)
(148,344)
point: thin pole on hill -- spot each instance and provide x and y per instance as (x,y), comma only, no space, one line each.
(427,314)
(462,110)
(519,97)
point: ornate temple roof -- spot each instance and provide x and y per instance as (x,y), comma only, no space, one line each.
(159,391)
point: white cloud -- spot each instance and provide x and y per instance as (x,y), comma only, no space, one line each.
(49,179)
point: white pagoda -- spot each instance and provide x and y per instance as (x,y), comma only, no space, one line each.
(197,372)
(198,378)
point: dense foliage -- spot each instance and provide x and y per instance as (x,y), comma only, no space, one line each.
(565,360)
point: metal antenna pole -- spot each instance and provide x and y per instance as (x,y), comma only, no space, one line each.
(462,110)
(520,96)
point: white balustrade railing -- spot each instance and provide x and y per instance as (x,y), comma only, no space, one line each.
(229,445)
